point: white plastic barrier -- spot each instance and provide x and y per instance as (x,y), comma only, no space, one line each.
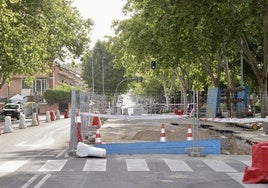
(8,125)
(22,124)
(84,150)
(34,120)
(57,115)
(48,117)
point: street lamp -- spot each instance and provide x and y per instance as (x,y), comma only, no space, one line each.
(92,72)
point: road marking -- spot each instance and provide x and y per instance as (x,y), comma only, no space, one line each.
(53,165)
(30,181)
(238,178)
(12,166)
(61,153)
(219,166)
(137,165)
(42,181)
(246,162)
(95,165)
(177,165)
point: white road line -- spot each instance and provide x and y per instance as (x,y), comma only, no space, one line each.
(246,162)
(61,153)
(12,166)
(177,165)
(95,165)
(42,181)
(219,166)
(238,178)
(30,181)
(137,165)
(53,165)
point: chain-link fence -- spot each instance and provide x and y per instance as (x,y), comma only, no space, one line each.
(220,103)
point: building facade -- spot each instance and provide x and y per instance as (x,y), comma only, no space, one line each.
(58,76)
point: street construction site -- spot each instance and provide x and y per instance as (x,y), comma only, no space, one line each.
(235,138)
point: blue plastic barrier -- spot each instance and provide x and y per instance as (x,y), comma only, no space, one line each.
(175,147)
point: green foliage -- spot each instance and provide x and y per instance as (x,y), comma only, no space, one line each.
(103,65)
(36,33)
(195,34)
(61,94)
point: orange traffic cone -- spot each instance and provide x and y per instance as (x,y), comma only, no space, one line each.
(189,133)
(98,137)
(96,121)
(163,133)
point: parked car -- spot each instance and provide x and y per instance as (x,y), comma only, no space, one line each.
(12,109)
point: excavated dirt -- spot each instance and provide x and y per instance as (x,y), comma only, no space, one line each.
(128,131)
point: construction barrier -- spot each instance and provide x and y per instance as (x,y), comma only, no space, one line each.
(189,133)
(48,119)
(8,125)
(22,124)
(98,136)
(84,150)
(258,172)
(52,116)
(163,133)
(210,146)
(35,121)
(78,132)
(57,115)
(66,113)
(96,121)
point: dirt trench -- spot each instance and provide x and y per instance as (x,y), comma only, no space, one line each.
(125,132)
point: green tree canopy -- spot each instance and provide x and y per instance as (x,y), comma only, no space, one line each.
(106,76)
(36,33)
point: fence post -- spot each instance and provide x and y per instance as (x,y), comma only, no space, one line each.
(73,139)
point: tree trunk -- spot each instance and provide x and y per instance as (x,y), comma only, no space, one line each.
(263,82)
(263,97)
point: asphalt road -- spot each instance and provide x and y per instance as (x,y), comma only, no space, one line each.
(38,157)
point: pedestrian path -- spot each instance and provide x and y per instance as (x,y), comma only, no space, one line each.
(130,164)
(232,168)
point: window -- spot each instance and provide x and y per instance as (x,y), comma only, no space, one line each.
(24,85)
(38,88)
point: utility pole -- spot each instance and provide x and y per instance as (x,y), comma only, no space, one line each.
(241,64)
(92,72)
(102,76)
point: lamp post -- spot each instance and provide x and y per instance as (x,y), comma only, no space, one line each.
(92,72)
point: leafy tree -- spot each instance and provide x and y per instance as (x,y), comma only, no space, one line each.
(106,76)
(203,35)
(34,34)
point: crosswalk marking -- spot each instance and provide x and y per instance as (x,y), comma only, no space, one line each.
(246,162)
(53,165)
(238,178)
(137,165)
(177,165)
(219,166)
(95,165)
(12,166)
(132,164)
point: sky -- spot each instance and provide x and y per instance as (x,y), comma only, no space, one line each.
(102,12)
